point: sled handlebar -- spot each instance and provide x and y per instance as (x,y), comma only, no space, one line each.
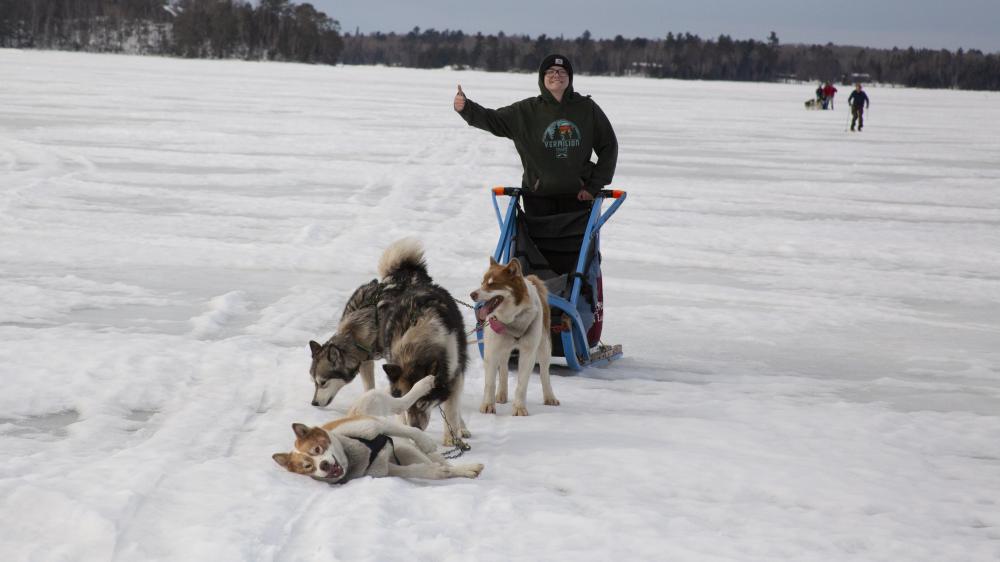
(512,191)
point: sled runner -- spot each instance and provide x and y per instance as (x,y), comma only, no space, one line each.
(547,247)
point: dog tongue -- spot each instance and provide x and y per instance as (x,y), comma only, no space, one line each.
(498,326)
(481,313)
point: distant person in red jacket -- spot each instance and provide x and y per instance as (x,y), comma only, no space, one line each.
(828,92)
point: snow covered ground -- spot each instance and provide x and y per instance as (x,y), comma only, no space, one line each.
(811,318)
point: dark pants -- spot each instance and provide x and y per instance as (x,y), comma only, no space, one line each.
(857,116)
(535,206)
(563,218)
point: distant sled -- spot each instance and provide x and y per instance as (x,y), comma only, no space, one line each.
(546,247)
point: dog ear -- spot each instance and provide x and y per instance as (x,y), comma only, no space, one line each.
(493,261)
(314,348)
(514,267)
(394,372)
(301,430)
(284,459)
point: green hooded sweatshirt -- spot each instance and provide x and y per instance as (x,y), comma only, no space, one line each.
(554,140)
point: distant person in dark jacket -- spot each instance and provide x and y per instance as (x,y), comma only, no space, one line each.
(555,134)
(858,101)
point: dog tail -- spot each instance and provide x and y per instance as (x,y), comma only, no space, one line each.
(543,296)
(402,253)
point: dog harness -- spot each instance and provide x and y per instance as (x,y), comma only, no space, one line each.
(374,349)
(376,445)
(373,352)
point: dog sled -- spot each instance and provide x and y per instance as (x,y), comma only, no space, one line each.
(564,251)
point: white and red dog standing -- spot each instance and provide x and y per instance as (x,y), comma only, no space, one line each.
(516,316)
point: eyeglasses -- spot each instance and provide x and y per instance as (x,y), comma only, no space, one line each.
(553,72)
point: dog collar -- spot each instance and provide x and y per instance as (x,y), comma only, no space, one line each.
(360,346)
(501,328)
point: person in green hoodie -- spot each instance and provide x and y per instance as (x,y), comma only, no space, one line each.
(555,134)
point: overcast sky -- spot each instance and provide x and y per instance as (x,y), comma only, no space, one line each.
(876,23)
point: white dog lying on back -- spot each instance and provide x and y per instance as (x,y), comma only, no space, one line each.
(369,443)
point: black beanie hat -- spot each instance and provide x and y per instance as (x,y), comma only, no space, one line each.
(555,60)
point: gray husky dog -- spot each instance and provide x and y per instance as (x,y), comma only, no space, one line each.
(412,323)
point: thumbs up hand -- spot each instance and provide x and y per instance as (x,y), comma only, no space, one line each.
(459,99)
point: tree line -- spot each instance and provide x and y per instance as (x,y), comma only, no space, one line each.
(270,30)
(677,56)
(680,55)
(282,30)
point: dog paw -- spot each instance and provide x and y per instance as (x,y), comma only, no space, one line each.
(469,470)
(424,385)
(551,401)
(501,397)
(466,432)
(487,408)
(520,410)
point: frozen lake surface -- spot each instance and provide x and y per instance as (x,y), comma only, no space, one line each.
(810,318)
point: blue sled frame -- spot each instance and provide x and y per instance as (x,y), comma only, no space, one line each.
(576,351)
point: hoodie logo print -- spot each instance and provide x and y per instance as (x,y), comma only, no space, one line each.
(560,136)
